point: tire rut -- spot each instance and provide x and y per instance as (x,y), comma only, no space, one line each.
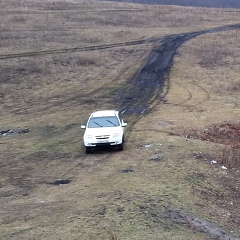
(181,217)
(69,11)
(190,96)
(76,49)
(96,96)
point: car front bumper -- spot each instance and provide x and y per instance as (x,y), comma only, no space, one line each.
(103,142)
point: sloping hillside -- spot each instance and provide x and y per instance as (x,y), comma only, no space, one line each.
(195,3)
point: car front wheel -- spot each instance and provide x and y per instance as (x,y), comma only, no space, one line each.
(120,147)
(88,150)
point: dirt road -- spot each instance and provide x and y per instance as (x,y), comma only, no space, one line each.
(147,84)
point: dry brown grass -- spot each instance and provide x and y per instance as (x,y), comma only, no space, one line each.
(214,95)
(53,94)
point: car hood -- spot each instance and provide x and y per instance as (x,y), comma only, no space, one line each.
(103,131)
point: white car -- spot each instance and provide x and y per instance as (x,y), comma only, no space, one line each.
(104,128)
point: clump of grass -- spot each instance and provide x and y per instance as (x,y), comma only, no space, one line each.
(76,61)
(234,86)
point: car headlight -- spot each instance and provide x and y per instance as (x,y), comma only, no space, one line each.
(116,135)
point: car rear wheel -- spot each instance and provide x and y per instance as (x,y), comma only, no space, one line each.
(88,150)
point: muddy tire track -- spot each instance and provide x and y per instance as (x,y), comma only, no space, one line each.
(181,217)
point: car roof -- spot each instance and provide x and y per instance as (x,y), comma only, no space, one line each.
(104,113)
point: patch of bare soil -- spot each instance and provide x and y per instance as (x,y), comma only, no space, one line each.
(181,217)
(227,133)
(166,215)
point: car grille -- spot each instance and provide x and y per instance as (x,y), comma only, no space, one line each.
(103,137)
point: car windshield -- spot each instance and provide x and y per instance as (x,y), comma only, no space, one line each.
(97,122)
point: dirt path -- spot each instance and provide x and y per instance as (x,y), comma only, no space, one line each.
(147,84)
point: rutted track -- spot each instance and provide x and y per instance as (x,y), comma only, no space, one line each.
(169,44)
(71,11)
(76,49)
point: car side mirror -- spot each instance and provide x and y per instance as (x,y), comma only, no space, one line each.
(83,127)
(124,124)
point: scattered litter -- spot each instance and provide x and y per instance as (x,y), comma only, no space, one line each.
(148,145)
(6,132)
(61,182)
(157,158)
(198,155)
(25,130)
(127,170)
(224,168)
(12,131)
(213,162)
(165,123)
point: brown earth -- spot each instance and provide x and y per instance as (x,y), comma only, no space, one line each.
(226,133)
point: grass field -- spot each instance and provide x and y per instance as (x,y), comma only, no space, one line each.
(64,68)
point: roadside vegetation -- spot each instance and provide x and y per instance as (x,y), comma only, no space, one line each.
(173,159)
